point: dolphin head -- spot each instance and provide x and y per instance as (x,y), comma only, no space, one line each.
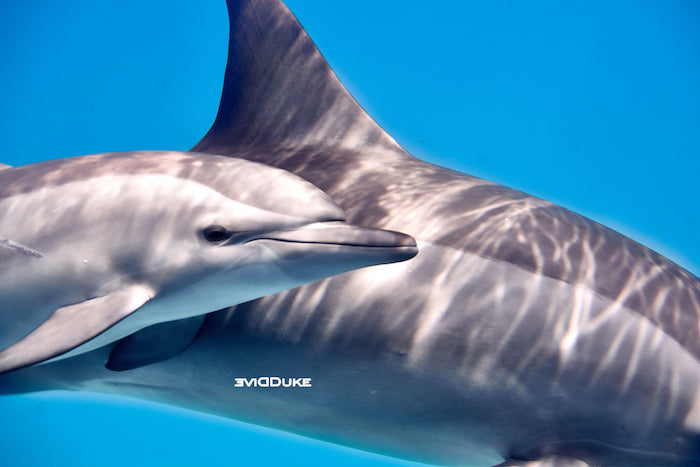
(262,231)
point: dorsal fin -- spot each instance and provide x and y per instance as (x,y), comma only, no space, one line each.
(280,92)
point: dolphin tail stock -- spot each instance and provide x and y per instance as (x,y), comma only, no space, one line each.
(280,93)
(70,326)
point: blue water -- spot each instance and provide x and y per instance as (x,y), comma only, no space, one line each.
(593,105)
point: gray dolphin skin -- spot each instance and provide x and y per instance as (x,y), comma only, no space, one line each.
(521,333)
(96,248)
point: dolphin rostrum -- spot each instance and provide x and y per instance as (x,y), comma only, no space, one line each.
(521,334)
(95,248)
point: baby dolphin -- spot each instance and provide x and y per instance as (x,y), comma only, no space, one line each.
(96,248)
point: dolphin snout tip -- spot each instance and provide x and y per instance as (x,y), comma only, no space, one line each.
(406,245)
(405,240)
(386,238)
(401,245)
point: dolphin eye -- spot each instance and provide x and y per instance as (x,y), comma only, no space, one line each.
(216,234)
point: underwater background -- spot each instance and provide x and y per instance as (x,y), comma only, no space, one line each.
(592,105)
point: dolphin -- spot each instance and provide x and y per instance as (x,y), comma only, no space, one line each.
(96,248)
(522,333)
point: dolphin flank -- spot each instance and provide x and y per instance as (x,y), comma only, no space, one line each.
(521,334)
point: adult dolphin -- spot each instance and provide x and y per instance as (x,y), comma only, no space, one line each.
(96,248)
(527,332)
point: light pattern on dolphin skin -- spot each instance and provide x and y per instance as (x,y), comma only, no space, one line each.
(473,214)
(521,334)
(493,221)
(549,334)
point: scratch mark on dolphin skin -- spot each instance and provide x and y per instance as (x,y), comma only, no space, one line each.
(21,249)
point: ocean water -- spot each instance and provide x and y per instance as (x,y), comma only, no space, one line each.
(593,105)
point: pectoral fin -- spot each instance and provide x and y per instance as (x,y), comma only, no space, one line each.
(71,326)
(154,343)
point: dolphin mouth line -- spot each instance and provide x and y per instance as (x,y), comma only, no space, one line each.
(358,244)
(331,233)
